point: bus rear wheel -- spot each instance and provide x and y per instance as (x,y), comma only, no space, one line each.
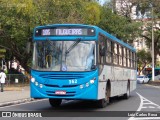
(55,102)
(127,94)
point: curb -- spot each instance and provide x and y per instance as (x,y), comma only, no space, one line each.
(153,86)
(17,102)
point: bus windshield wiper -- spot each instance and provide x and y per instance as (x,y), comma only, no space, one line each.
(73,46)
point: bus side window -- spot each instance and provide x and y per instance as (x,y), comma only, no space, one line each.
(102,48)
(115,54)
(124,57)
(108,52)
(120,55)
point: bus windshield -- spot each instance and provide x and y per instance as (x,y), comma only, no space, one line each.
(75,55)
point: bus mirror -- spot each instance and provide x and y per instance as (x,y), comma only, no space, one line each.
(93,67)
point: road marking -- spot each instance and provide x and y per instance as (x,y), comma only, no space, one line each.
(148,102)
(147,105)
(143,107)
(151,107)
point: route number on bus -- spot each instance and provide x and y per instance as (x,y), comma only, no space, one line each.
(73,81)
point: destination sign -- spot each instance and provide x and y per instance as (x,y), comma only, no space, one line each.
(65,32)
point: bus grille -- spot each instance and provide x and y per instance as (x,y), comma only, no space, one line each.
(64,86)
(62,76)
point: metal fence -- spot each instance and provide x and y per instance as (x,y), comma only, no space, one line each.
(16,80)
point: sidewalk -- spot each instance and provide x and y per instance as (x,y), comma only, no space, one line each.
(154,83)
(14,95)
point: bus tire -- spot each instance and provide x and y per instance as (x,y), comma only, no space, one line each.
(55,102)
(127,94)
(103,102)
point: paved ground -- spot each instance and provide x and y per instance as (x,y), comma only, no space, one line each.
(142,99)
(15,95)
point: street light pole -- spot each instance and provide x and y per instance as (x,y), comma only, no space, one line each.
(152,47)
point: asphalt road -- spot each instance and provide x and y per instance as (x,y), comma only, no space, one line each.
(144,99)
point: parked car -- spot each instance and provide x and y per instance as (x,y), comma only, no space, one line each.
(142,79)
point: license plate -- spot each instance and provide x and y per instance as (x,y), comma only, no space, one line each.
(60,92)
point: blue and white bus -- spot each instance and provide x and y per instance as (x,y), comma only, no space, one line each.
(80,62)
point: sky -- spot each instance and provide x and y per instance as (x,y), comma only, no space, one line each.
(103,1)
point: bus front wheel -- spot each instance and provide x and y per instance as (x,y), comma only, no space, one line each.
(103,102)
(55,102)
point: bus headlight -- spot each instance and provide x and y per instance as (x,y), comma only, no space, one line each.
(36,83)
(87,84)
(40,85)
(32,80)
(92,80)
(81,86)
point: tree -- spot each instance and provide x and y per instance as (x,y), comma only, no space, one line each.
(147,34)
(143,11)
(16,27)
(144,58)
(145,7)
(93,12)
(124,7)
(19,17)
(119,25)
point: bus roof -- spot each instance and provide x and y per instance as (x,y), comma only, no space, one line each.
(95,27)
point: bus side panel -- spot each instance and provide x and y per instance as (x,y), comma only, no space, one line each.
(118,77)
(105,75)
(133,81)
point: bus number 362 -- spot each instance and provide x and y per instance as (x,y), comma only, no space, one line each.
(73,81)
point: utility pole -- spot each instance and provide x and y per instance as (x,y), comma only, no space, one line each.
(152,45)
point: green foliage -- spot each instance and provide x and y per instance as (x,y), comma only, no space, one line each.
(92,13)
(151,9)
(146,5)
(19,17)
(144,58)
(119,25)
